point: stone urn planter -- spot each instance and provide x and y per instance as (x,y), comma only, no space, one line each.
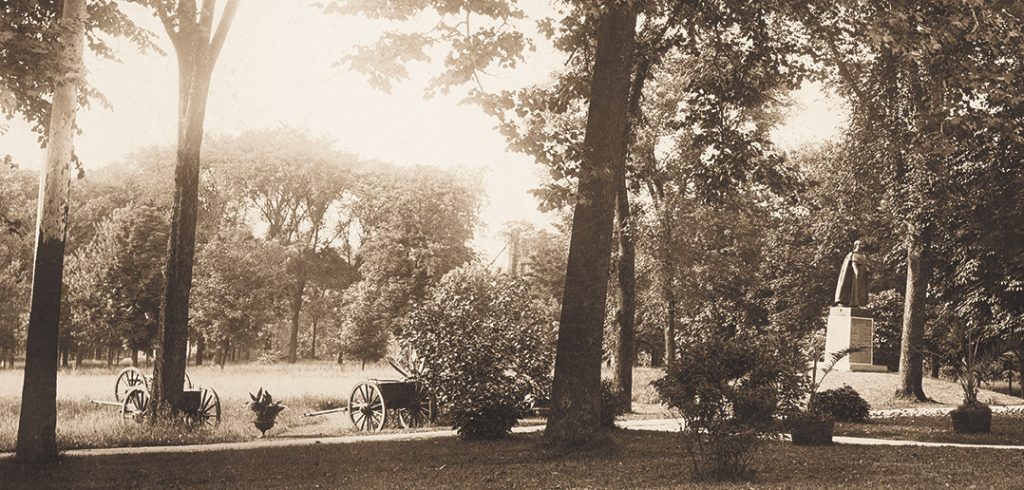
(809,429)
(265,409)
(972,418)
(263,426)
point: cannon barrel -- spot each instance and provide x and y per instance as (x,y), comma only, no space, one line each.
(325,412)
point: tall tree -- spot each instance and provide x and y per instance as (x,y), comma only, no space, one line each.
(575,391)
(301,190)
(114,282)
(415,226)
(237,290)
(38,422)
(197,45)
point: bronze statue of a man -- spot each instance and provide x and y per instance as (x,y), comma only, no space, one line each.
(852,289)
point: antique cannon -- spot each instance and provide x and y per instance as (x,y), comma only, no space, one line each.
(373,403)
(200,405)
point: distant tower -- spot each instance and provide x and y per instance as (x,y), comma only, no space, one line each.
(513,253)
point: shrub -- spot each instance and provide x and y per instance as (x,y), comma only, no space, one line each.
(842,404)
(611,403)
(729,393)
(809,428)
(484,345)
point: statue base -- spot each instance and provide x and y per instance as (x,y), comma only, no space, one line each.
(851,327)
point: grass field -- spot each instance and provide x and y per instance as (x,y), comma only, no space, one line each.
(878,389)
(307,387)
(635,460)
(303,387)
(1007,429)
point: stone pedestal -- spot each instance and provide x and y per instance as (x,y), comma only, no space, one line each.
(851,327)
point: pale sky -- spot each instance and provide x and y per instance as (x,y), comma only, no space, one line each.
(277,69)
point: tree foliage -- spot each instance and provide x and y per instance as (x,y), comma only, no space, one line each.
(31,58)
(115,281)
(238,291)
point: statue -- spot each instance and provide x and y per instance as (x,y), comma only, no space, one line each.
(852,289)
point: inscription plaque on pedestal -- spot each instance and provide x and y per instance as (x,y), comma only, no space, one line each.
(851,327)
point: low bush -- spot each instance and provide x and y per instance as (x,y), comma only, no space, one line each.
(611,403)
(484,346)
(842,404)
(729,393)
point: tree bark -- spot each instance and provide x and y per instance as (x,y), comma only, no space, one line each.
(197,50)
(312,347)
(626,315)
(911,356)
(574,418)
(37,425)
(293,336)
(668,293)
(200,350)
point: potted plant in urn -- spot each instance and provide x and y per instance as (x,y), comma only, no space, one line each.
(265,409)
(808,427)
(974,349)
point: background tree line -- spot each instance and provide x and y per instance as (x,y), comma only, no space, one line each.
(303,251)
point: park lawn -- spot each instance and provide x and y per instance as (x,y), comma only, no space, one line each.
(634,460)
(878,390)
(1007,429)
(302,387)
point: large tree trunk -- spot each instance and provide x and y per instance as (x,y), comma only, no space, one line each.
(626,315)
(172,338)
(37,425)
(575,396)
(197,48)
(911,355)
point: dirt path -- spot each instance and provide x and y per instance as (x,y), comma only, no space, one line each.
(660,425)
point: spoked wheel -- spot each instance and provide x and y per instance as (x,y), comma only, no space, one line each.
(129,379)
(424,410)
(207,413)
(135,404)
(366,407)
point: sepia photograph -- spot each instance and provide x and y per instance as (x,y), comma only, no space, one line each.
(469,244)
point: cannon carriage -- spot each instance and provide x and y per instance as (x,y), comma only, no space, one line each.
(374,404)
(200,405)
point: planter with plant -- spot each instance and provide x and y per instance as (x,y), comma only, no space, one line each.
(814,427)
(265,409)
(975,349)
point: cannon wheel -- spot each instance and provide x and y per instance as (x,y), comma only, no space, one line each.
(128,379)
(208,413)
(135,404)
(366,407)
(424,410)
